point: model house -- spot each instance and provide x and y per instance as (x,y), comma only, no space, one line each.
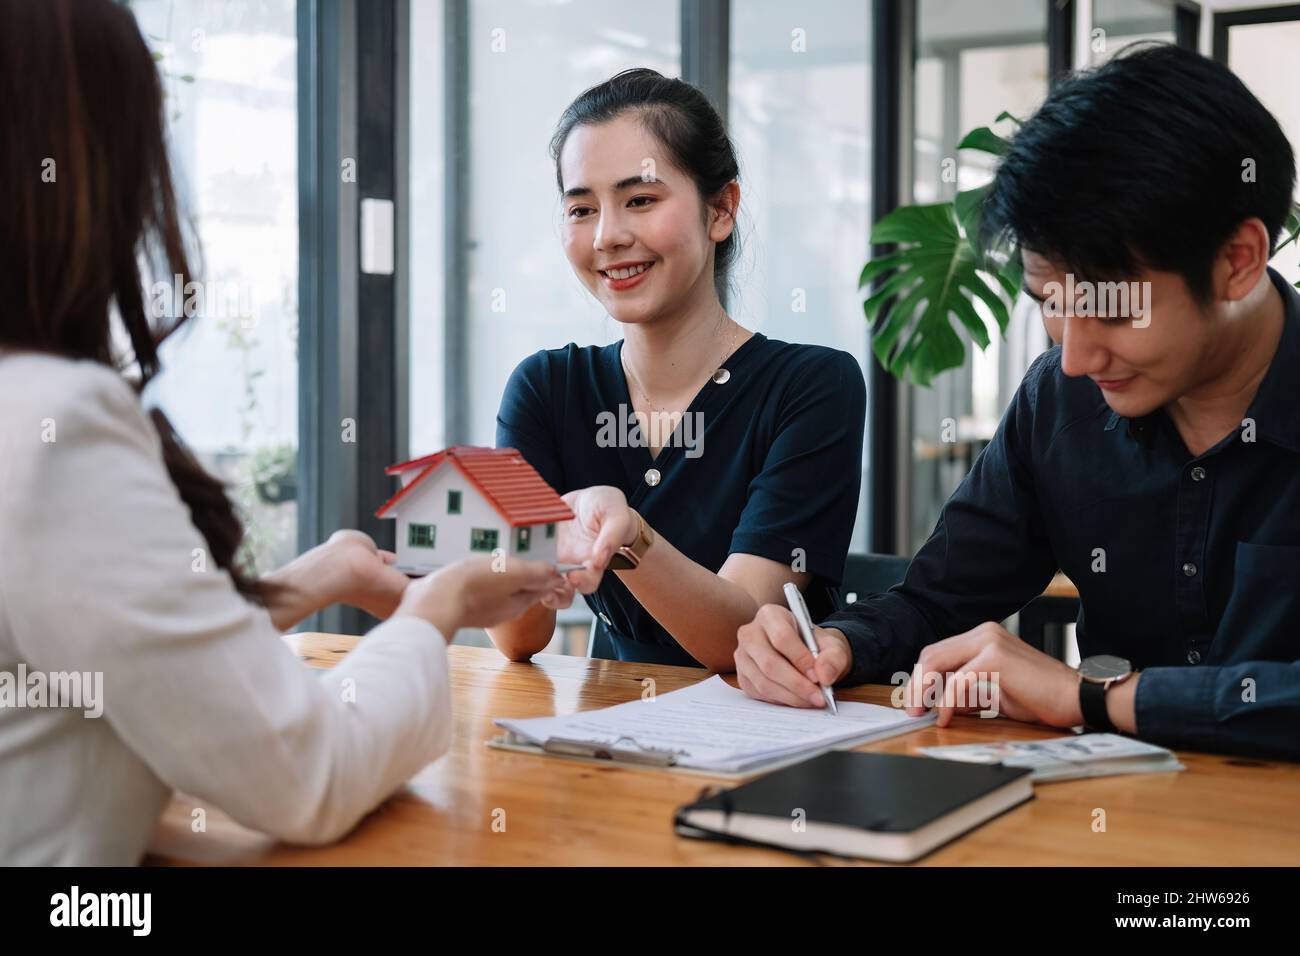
(466,500)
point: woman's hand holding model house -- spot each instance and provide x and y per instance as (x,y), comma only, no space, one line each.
(477,592)
(603,524)
(351,569)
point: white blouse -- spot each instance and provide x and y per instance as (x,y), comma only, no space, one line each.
(104,578)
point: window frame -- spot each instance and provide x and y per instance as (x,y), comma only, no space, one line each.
(490,540)
(1223,23)
(432,530)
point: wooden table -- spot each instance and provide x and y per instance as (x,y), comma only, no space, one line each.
(1219,810)
(1061,586)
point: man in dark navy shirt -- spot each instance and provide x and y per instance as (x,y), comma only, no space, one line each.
(1153,454)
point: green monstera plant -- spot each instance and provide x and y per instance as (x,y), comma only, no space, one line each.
(937,268)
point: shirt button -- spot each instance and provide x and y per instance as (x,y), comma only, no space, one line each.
(722,376)
(1189,569)
(1193,656)
(652,477)
(1198,473)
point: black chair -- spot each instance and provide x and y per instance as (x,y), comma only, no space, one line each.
(1042,620)
(871,574)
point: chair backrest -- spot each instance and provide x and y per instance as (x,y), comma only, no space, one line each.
(871,574)
(1041,623)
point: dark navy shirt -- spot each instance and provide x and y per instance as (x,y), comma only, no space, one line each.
(1188,566)
(774,472)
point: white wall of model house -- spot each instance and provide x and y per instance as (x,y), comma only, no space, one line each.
(428,504)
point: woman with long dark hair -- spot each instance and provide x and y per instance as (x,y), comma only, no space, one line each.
(136,655)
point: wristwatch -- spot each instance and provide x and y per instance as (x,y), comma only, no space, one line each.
(629,556)
(1098,674)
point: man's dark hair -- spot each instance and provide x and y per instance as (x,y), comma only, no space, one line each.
(1142,162)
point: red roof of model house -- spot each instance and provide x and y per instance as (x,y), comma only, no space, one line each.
(511,485)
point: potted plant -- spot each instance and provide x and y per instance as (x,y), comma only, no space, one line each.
(936,268)
(273,470)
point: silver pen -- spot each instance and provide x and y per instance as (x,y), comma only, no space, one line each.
(804,622)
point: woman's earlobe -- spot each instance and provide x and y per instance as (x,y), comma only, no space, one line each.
(723,217)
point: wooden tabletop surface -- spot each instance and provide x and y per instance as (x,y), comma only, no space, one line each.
(481,806)
(1061,586)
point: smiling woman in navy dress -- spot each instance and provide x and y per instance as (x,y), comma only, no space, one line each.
(723,462)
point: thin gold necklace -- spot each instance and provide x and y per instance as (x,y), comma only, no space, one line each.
(719,374)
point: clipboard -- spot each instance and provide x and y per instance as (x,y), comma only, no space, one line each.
(629,754)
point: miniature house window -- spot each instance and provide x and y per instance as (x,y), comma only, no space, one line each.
(482,539)
(421,535)
(550,530)
(453,502)
(523,537)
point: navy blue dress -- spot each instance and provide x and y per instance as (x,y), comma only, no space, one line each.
(767,463)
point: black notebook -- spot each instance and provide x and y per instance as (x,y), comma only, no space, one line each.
(876,806)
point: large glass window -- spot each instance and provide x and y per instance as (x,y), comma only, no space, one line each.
(1265,55)
(230,378)
(426,223)
(800,117)
(1117,23)
(527,60)
(974,61)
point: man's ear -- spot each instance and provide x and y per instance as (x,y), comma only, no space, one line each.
(1242,261)
(724,206)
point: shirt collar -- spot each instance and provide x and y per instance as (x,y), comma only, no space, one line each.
(1274,409)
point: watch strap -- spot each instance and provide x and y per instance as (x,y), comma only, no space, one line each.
(1092,703)
(629,556)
